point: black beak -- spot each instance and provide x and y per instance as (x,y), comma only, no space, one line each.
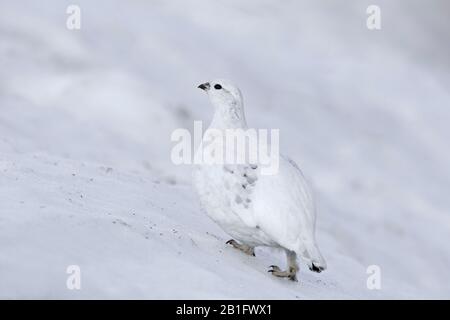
(204,86)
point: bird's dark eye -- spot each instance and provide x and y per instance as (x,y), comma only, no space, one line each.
(217,86)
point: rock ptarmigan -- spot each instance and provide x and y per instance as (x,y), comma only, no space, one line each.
(256,209)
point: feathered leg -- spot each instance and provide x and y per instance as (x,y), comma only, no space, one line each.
(291,272)
(243,247)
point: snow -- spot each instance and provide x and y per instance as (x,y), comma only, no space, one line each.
(86,116)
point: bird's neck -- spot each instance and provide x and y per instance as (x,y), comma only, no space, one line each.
(229,117)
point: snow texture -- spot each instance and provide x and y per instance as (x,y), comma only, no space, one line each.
(86,116)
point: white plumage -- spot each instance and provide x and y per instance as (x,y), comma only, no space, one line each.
(255,209)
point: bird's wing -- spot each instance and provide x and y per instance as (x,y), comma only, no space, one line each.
(240,181)
(284,209)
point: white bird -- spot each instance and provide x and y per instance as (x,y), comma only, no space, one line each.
(253,208)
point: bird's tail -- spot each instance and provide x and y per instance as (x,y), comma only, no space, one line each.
(314,258)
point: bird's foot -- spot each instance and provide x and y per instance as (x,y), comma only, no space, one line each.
(290,274)
(243,247)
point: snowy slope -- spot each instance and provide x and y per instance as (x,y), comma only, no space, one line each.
(85,123)
(133,237)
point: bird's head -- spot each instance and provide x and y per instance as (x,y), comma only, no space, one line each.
(223,94)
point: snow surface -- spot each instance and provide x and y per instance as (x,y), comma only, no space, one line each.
(85,122)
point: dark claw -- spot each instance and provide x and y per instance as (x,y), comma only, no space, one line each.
(229,241)
(315,268)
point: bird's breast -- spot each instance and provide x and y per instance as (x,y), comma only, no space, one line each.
(226,194)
